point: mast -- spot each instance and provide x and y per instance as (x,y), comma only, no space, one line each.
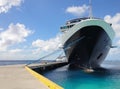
(90,9)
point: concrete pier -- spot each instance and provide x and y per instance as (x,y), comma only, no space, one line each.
(17,77)
(42,67)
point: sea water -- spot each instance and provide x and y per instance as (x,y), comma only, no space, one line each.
(107,78)
(14,62)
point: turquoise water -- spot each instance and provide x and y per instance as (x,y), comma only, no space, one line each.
(108,78)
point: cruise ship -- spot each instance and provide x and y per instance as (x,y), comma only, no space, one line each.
(86,41)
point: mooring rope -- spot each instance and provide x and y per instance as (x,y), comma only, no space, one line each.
(43,57)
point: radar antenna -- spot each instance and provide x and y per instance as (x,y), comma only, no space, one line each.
(90,9)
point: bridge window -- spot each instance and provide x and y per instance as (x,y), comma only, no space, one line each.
(65,27)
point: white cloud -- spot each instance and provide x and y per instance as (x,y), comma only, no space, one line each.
(47,45)
(18,54)
(16,33)
(115,20)
(15,50)
(6,5)
(78,10)
(114,54)
(118,42)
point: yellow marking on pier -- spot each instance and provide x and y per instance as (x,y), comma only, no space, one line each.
(44,80)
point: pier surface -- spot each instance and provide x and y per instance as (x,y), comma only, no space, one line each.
(17,77)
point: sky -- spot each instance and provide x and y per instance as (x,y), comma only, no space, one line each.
(31,28)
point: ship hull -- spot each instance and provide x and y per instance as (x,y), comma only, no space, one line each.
(87,47)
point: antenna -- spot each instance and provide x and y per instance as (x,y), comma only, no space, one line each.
(90,9)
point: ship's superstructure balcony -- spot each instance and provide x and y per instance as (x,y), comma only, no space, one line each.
(71,23)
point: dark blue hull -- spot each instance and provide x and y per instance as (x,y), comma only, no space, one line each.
(88,47)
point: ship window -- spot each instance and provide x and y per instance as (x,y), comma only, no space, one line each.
(71,26)
(65,27)
(99,55)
